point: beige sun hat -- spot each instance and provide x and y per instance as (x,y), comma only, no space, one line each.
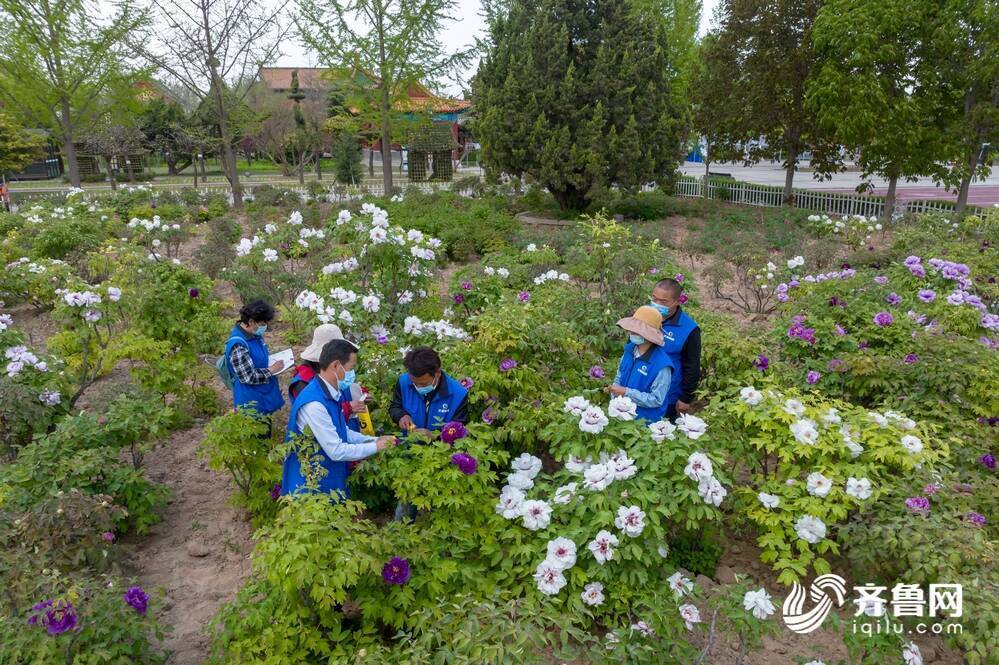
(323,334)
(647,322)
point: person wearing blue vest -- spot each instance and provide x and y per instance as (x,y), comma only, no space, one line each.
(682,342)
(425,397)
(254,385)
(645,371)
(317,410)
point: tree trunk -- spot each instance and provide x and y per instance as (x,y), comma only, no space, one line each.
(386,145)
(319,164)
(890,197)
(171,163)
(570,199)
(301,169)
(707,170)
(128,169)
(371,160)
(229,154)
(789,169)
(962,193)
(68,148)
(111,178)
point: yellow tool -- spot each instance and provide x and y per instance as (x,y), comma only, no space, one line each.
(357,394)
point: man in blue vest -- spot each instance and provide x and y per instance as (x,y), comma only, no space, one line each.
(645,371)
(682,342)
(425,397)
(317,410)
(254,385)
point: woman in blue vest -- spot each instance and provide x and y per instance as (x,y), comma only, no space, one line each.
(317,410)
(254,385)
(645,370)
(425,397)
(682,343)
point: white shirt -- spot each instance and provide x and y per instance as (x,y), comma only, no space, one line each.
(315,416)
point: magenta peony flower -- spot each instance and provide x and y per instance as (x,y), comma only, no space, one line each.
(893,298)
(108,536)
(381,339)
(59,616)
(597,372)
(761,363)
(835,364)
(466,286)
(653,271)
(881,279)
(975,518)
(137,598)
(489,415)
(840,330)
(396,571)
(276,491)
(458,298)
(467,464)
(931,489)
(524,296)
(679,277)
(683,299)
(911,358)
(194,293)
(452,432)
(919,505)
(813,377)
(507,365)
(988,461)
(883,319)
(467,383)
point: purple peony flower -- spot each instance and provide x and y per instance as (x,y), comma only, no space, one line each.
(467,383)
(988,342)
(927,295)
(963,488)
(596,372)
(489,415)
(679,277)
(911,358)
(59,616)
(884,319)
(683,299)
(137,598)
(835,364)
(988,461)
(276,491)
(919,505)
(507,365)
(396,571)
(108,536)
(912,261)
(975,518)
(194,293)
(931,489)
(813,377)
(466,286)
(653,271)
(452,432)
(467,464)
(840,330)
(761,363)
(918,271)
(381,339)
(893,299)
(459,298)
(523,296)
(881,279)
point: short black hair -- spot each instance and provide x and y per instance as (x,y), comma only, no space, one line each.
(256,310)
(670,285)
(336,350)
(421,360)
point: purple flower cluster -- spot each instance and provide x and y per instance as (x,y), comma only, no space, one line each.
(957,272)
(467,464)
(596,372)
(975,518)
(108,536)
(988,461)
(927,295)
(893,299)
(459,298)
(911,358)
(884,319)
(988,342)
(761,363)
(991,421)
(915,266)
(452,432)
(489,415)
(840,330)
(466,286)
(799,331)
(523,296)
(137,598)
(919,505)
(931,489)
(396,571)
(813,377)
(507,365)
(57,616)
(881,279)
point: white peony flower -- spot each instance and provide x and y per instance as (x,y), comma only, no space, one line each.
(832,417)
(644,628)
(750,395)
(377,235)
(680,585)
(912,443)
(549,578)
(295,219)
(537,514)
(593,594)
(631,520)
(510,502)
(622,408)
(576,465)
(859,488)
(662,430)
(593,420)
(526,464)
(503,272)
(759,603)
(565,493)
(270,255)
(712,491)
(562,553)
(818,485)
(690,615)
(690,425)
(532,247)
(576,405)
(881,420)
(622,466)
(810,529)
(598,477)
(521,481)
(114,293)
(769,501)
(794,407)
(343,217)
(805,431)
(698,467)
(412,325)
(911,654)
(602,546)
(371,303)
(855,449)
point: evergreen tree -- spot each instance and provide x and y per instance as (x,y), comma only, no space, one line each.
(581,95)
(18,148)
(347,159)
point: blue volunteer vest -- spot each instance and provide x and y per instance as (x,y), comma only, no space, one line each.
(675,335)
(440,411)
(265,398)
(335,481)
(641,372)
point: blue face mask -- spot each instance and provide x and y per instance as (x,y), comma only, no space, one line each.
(663,309)
(637,340)
(426,390)
(261,330)
(347,380)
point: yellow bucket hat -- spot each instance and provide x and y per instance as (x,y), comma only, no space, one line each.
(647,322)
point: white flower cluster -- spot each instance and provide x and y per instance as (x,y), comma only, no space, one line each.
(19,358)
(50,397)
(441,329)
(347,265)
(154,224)
(31,266)
(6,321)
(699,470)
(551,275)
(502,272)
(856,224)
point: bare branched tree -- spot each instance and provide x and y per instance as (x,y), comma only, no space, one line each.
(213,48)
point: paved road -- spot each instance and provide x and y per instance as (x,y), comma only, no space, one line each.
(983,192)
